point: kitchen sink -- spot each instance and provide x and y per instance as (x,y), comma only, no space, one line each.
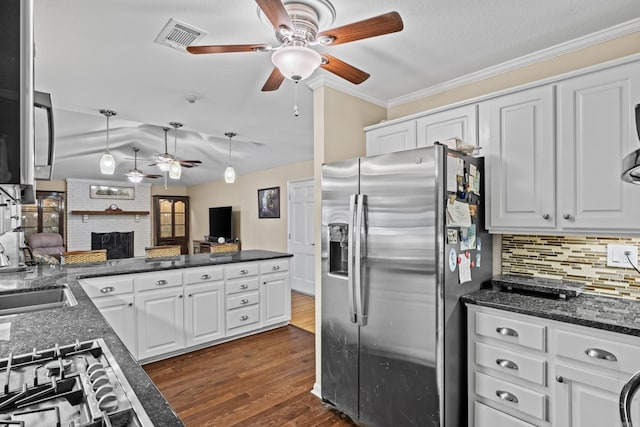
(24,301)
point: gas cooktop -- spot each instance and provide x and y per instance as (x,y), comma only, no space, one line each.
(75,385)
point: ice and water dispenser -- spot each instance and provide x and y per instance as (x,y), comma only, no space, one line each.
(338,249)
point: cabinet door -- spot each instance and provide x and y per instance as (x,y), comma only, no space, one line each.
(159,322)
(596,130)
(519,132)
(395,137)
(204,312)
(275,299)
(588,398)
(120,313)
(455,123)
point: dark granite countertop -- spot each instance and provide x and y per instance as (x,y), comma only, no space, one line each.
(43,329)
(607,313)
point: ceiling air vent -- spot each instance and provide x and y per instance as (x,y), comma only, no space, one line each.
(179,35)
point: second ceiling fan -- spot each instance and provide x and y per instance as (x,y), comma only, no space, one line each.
(296,24)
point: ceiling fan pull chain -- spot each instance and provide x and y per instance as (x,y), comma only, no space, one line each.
(295,100)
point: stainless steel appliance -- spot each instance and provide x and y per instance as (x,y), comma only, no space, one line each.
(393,337)
(79,385)
(631,162)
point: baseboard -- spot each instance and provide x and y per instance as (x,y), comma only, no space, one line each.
(316,390)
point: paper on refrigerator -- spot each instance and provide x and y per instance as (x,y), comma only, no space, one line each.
(458,214)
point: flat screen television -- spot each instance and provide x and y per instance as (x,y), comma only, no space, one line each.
(220,223)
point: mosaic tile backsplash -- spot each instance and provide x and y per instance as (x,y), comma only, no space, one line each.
(578,258)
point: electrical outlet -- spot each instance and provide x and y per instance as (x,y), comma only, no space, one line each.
(617,256)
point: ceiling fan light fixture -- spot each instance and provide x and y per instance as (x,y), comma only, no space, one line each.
(135,176)
(164,166)
(296,62)
(175,170)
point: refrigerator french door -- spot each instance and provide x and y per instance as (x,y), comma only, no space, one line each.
(387,298)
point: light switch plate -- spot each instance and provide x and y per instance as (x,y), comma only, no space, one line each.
(616,256)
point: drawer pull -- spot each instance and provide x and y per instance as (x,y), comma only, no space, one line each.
(597,353)
(205,277)
(162,282)
(244,301)
(244,271)
(107,289)
(245,317)
(560,379)
(275,267)
(507,364)
(244,286)
(505,395)
(130,304)
(507,331)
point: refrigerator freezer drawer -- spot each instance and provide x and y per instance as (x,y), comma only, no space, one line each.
(505,393)
(511,330)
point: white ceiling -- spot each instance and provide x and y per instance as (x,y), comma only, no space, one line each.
(101,54)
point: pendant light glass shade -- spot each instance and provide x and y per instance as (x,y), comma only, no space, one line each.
(107,162)
(230,172)
(296,62)
(229,175)
(165,159)
(175,170)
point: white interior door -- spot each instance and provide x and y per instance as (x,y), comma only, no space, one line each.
(301,243)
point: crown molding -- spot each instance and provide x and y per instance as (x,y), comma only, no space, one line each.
(601,36)
(341,85)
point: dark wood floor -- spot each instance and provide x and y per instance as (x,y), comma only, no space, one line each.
(261,380)
(303,311)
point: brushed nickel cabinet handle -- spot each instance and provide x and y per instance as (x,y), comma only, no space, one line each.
(546,216)
(130,304)
(107,289)
(566,216)
(507,331)
(245,317)
(505,395)
(189,295)
(560,379)
(508,364)
(244,286)
(205,277)
(179,296)
(598,353)
(161,282)
(244,301)
(275,267)
(244,271)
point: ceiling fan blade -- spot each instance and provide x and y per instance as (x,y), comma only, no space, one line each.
(190,161)
(276,13)
(342,69)
(377,26)
(274,81)
(225,48)
(152,176)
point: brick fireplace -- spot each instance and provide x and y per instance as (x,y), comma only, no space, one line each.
(80,227)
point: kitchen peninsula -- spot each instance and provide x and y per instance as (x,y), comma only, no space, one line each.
(84,322)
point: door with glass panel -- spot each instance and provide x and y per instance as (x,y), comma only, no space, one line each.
(45,216)
(171,218)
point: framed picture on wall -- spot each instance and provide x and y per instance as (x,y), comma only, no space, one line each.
(269,202)
(112,192)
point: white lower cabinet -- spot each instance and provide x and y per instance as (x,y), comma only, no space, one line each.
(160,322)
(164,313)
(529,371)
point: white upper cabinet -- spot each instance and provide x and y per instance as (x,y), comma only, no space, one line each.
(518,129)
(455,123)
(596,129)
(394,137)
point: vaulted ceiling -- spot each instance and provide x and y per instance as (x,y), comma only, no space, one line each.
(93,55)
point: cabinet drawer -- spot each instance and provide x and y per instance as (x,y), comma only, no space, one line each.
(484,416)
(524,400)
(241,270)
(598,351)
(110,285)
(242,300)
(163,279)
(235,286)
(274,266)
(204,274)
(243,316)
(511,330)
(512,363)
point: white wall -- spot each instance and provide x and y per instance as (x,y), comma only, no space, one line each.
(79,232)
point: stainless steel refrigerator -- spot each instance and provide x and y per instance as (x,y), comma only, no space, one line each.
(395,229)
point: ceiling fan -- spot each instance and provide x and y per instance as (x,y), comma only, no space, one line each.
(164,160)
(296,24)
(135,175)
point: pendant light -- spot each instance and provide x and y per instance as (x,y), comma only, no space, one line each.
(164,160)
(135,175)
(229,172)
(175,169)
(107,162)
